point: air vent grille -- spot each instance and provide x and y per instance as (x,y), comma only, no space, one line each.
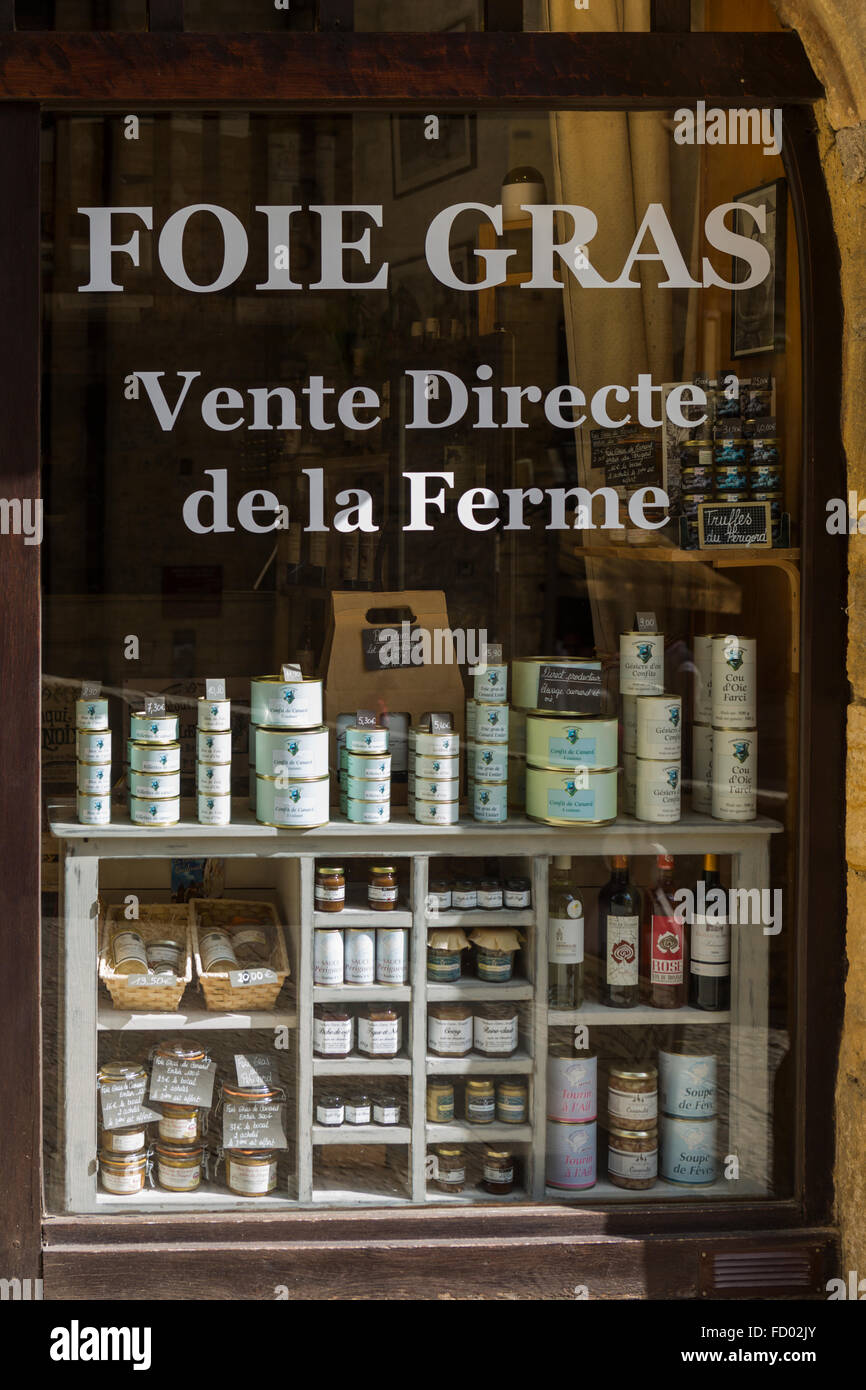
(783,1270)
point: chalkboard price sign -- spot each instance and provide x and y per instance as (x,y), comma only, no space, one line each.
(628,460)
(741,524)
(259,1126)
(182,1082)
(123,1104)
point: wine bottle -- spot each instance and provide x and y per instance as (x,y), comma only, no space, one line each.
(619,905)
(565,938)
(710,943)
(664,942)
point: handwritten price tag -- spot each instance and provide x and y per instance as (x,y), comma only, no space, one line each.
(254,976)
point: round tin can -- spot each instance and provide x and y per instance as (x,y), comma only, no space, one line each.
(392,956)
(703,660)
(437,789)
(436,812)
(688,1151)
(629,783)
(491,723)
(447,768)
(214,808)
(734,781)
(149,757)
(766,450)
(93,747)
(629,724)
(213,748)
(571,1155)
(696,456)
(471,720)
(700,481)
(145,810)
(727,406)
(368,812)
(328,956)
(657,790)
(153,728)
(757,402)
(534,679)
(359,740)
(729,450)
(766,477)
(373,767)
(582,798)
(490,802)
(702,768)
(733,693)
(292,804)
(437,745)
(488,762)
(491,684)
(362,789)
(572,1088)
(731,477)
(569,743)
(281,704)
(214,778)
(91,714)
(94,779)
(214,716)
(641,663)
(154,784)
(688,1085)
(359,955)
(659,726)
(94,810)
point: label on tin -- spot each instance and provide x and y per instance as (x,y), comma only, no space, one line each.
(378,1036)
(449,1036)
(572,1088)
(632,1165)
(622,950)
(571,1155)
(641,664)
(571,802)
(688,1150)
(710,946)
(565,939)
(253,1178)
(571,750)
(360,957)
(214,810)
(495,1035)
(328,958)
(667,951)
(215,688)
(258,1125)
(294,807)
(391,963)
(490,802)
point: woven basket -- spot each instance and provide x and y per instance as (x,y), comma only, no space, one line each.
(156,922)
(219,992)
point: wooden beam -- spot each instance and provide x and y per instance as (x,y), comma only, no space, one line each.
(165,16)
(337,14)
(340,72)
(671,16)
(503,16)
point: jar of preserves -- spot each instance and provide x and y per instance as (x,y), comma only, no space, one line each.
(123,1174)
(464,895)
(489,894)
(439,895)
(480,1102)
(632,1097)
(632,1158)
(130,1139)
(450,1168)
(443,966)
(449,1030)
(495,1029)
(121,1071)
(129,952)
(359,1110)
(512,1105)
(440,1102)
(178,1169)
(386,1109)
(180,1050)
(251,1172)
(498,1175)
(216,952)
(382,888)
(165,957)
(380,1031)
(333,1031)
(494,967)
(330,891)
(518,894)
(180,1124)
(330,1109)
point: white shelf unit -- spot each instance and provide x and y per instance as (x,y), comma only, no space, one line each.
(295,854)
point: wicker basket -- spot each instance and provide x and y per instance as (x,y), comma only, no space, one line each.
(156,922)
(219,992)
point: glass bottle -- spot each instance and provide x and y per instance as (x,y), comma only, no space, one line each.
(710,943)
(664,942)
(619,905)
(564,938)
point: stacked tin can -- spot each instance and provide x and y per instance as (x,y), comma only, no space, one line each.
(154,768)
(434,774)
(290,757)
(487,764)
(658,763)
(572,1118)
(733,703)
(213,767)
(568,751)
(365,775)
(92,761)
(641,673)
(688,1097)
(702,726)
(765,462)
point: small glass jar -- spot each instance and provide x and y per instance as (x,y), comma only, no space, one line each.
(480,1102)
(450,1168)
(382,888)
(359,1110)
(495,1029)
(632,1097)
(121,1071)
(123,1174)
(439,895)
(512,1104)
(443,967)
(498,1171)
(333,1031)
(494,967)
(130,1139)
(518,894)
(380,1031)
(449,1030)
(165,957)
(386,1109)
(330,891)
(251,1172)
(216,952)
(128,951)
(632,1158)
(250,943)
(178,1169)
(440,1102)
(180,1124)
(489,895)
(330,1109)
(464,895)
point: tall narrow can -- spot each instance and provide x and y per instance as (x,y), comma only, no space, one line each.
(734,774)
(734,704)
(641,663)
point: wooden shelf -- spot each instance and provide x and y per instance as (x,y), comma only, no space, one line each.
(360,994)
(601,1015)
(475,1063)
(504,917)
(462,1132)
(477,989)
(359,1066)
(361,1134)
(112,1020)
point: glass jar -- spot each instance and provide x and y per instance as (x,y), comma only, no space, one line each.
(498,1171)
(330,1109)
(386,1109)
(131,1139)
(359,1110)
(380,1031)
(439,895)
(443,967)
(251,1172)
(632,1097)
(250,942)
(495,1029)
(333,1031)
(518,894)
(440,1102)
(480,1102)
(330,892)
(632,1158)
(180,1124)
(512,1103)
(494,967)
(178,1169)
(128,951)
(464,895)
(165,957)
(489,895)
(382,888)
(449,1030)
(123,1174)
(121,1071)
(216,952)
(450,1171)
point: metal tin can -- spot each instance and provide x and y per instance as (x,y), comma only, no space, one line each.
(699,482)
(215,716)
(491,722)
(214,808)
(731,478)
(438,789)
(659,726)
(757,402)
(471,720)
(490,802)
(280,704)
(371,767)
(440,745)
(688,1085)
(629,724)
(328,956)
(537,679)
(657,790)
(733,694)
(734,774)
(641,663)
(572,1088)
(214,778)
(368,812)
(145,810)
(361,789)
(94,779)
(688,1151)
(303,753)
(150,757)
(703,659)
(93,746)
(491,684)
(447,768)
(366,740)
(392,956)
(213,748)
(729,450)
(436,812)
(696,456)
(251,744)
(775,499)
(702,769)
(629,783)
(93,810)
(153,728)
(292,804)
(766,477)
(359,955)
(571,1155)
(91,714)
(570,743)
(154,784)
(766,451)
(582,798)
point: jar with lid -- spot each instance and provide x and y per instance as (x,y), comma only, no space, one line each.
(495,1029)
(480,1102)
(380,1031)
(632,1097)
(359,1110)
(443,965)
(499,1167)
(330,891)
(518,894)
(129,953)
(464,895)
(386,1109)
(123,1174)
(512,1103)
(632,1158)
(333,1031)
(250,942)
(450,1168)
(180,1124)
(382,888)
(216,952)
(165,957)
(178,1168)
(251,1172)
(440,1101)
(439,895)
(121,1071)
(130,1139)
(330,1109)
(493,966)
(489,895)
(449,1030)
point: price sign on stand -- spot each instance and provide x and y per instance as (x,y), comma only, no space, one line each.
(181,1082)
(256,1069)
(123,1104)
(741,524)
(250,1126)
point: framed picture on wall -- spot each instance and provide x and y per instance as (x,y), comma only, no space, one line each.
(419,159)
(758,313)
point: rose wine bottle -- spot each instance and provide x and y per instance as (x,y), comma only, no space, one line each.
(664,942)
